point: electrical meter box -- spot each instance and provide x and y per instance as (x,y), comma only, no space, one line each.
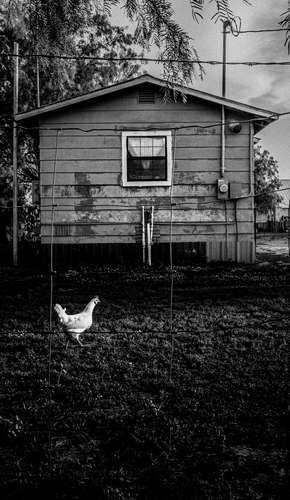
(222,189)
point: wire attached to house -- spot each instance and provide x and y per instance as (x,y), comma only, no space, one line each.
(199,125)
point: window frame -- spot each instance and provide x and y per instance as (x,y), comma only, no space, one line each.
(147,133)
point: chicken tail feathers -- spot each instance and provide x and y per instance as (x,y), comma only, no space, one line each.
(60,312)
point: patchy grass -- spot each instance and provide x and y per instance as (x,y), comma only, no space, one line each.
(112,423)
(273,247)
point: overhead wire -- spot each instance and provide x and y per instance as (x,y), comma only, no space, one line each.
(146,59)
(264,30)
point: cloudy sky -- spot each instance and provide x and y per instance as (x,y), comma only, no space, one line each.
(262,86)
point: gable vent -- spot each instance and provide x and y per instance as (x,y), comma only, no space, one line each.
(146,95)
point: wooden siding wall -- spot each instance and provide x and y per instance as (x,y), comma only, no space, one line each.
(95,208)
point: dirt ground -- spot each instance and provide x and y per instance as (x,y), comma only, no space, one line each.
(195,408)
(273,247)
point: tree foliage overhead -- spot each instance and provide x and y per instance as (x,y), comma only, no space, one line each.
(267,181)
(155,24)
(285,23)
(52,28)
(53,23)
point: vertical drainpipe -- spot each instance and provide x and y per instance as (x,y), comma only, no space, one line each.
(148,231)
(251,184)
(251,173)
(143,235)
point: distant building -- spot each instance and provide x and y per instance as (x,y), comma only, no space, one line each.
(283,209)
(277,220)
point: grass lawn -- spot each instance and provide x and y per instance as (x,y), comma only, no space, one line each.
(112,423)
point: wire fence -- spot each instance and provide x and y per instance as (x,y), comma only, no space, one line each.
(171,335)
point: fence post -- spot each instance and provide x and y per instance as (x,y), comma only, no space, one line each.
(15,146)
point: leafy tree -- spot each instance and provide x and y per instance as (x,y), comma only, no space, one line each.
(109,42)
(85,34)
(267,181)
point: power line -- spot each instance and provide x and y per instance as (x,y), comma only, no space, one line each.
(263,30)
(149,59)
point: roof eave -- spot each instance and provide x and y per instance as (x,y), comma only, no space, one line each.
(261,124)
(228,103)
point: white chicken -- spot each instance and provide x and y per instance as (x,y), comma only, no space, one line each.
(75,324)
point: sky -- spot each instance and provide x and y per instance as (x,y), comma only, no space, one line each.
(266,87)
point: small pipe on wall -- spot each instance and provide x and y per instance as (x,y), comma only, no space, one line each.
(147,233)
(149,243)
(152,219)
(223,143)
(143,235)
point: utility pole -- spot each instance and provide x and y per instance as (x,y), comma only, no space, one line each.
(15,147)
(37,83)
(224,66)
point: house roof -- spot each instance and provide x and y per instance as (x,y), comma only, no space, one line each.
(268,116)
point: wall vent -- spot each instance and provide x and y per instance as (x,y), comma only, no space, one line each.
(62,229)
(146,95)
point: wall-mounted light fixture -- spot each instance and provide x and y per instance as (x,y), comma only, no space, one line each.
(235,127)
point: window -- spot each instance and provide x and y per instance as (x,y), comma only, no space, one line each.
(146,158)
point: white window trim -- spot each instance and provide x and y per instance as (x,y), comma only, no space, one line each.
(142,133)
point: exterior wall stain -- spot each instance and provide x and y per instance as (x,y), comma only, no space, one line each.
(200,201)
(162,201)
(84,230)
(82,184)
(85,205)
